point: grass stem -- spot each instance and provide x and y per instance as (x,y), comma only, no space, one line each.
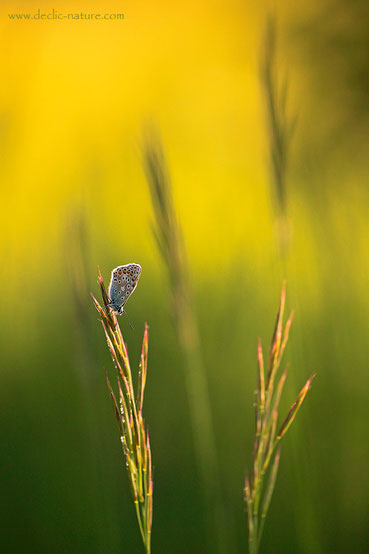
(128,412)
(267,447)
(169,239)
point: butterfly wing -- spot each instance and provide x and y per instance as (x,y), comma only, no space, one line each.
(123,282)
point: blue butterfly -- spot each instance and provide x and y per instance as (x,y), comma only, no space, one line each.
(123,282)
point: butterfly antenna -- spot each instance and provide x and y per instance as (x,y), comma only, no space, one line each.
(128,319)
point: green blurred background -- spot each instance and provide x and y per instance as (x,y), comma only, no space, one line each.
(74,97)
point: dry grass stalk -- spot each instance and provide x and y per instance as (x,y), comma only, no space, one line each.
(128,411)
(259,483)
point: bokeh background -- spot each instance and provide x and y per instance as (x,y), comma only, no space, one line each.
(74,99)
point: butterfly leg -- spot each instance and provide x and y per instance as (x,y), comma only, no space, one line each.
(124,312)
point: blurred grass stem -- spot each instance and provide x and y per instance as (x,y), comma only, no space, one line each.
(280,130)
(169,239)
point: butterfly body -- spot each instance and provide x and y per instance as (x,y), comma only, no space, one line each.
(123,282)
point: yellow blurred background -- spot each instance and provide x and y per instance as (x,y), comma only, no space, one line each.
(75,100)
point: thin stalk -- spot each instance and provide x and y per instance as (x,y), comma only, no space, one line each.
(143,534)
(169,239)
(265,461)
(281,128)
(136,448)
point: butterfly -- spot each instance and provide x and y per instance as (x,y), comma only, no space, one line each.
(123,282)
